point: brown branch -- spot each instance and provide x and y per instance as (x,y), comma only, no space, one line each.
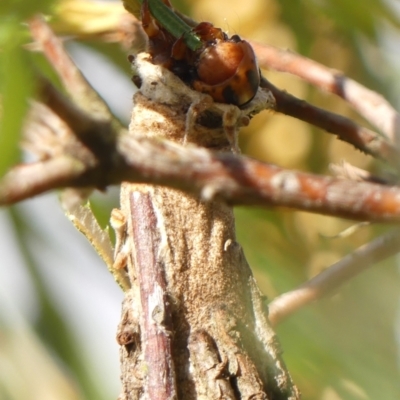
(347,130)
(240,180)
(79,121)
(237,180)
(333,277)
(371,105)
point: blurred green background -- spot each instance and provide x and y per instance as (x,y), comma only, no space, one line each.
(59,308)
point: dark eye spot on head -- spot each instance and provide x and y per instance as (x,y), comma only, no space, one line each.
(230,95)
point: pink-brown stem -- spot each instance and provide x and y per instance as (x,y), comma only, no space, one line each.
(155,324)
(371,105)
(333,277)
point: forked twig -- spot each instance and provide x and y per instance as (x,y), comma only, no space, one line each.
(73,81)
(371,105)
(347,130)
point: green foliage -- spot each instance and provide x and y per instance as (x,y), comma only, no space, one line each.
(16,81)
(15,89)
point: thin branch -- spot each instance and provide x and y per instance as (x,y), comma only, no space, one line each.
(333,277)
(371,105)
(72,79)
(78,120)
(25,181)
(347,130)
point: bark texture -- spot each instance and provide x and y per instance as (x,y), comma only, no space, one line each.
(194,324)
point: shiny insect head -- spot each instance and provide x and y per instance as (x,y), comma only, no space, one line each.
(223,67)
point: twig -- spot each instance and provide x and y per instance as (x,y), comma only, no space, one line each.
(347,130)
(72,79)
(371,105)
(25,181)
(333,277)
